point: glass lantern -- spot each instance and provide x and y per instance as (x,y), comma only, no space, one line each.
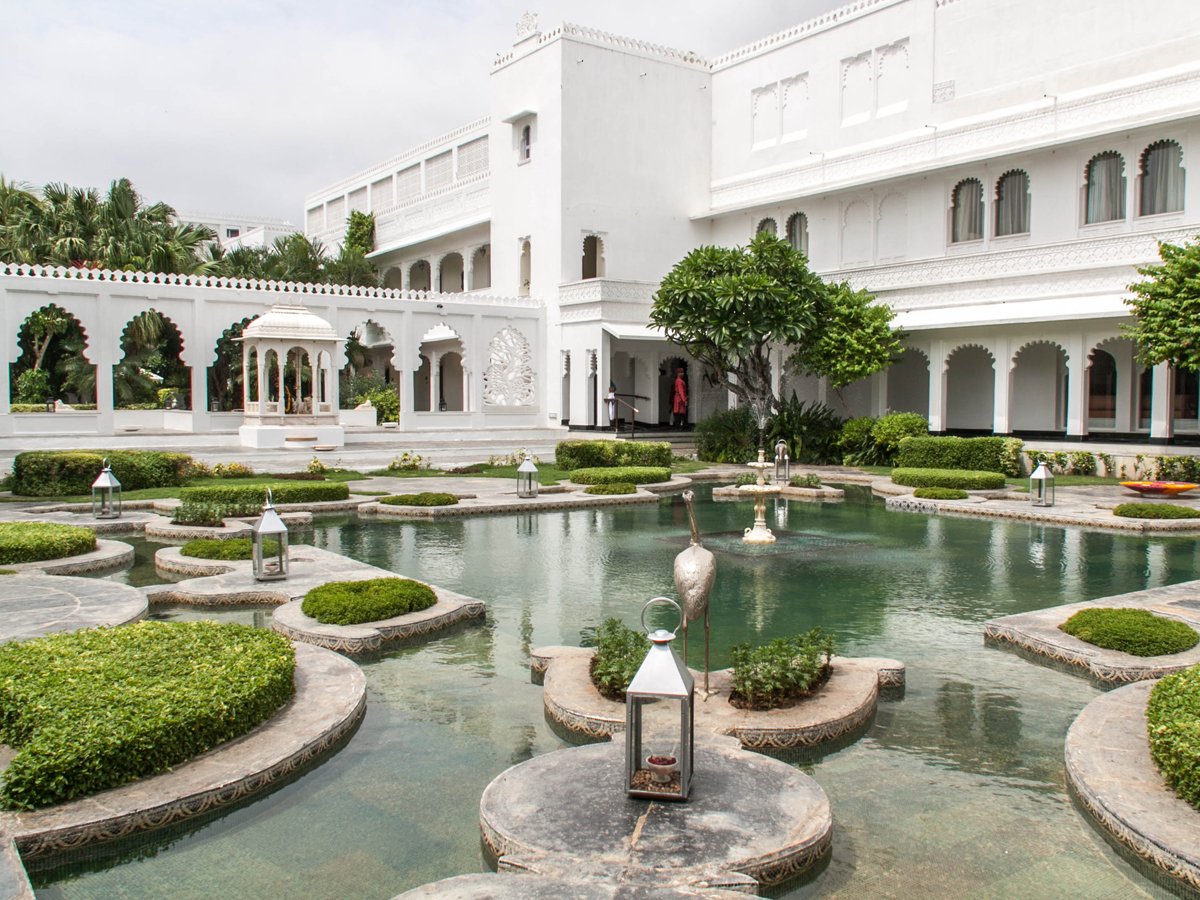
(269,560)
(659,720)
(106,494)
(1041,485)
(782,468)
(527,480)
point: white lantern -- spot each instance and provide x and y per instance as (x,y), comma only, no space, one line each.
(782,467)
(527,480)
(1041,485)
(660,720)
(269,563)
(106,494)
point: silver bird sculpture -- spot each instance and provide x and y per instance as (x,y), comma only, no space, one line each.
(695,572)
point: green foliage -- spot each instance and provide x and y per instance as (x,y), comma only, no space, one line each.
(570,455)
(984,454)
(949,478)
(750,478)
(855,441)
(212,515)
(33,386)
(470,469)
(730,436)
(27,407)
(294,257)
(631,474)
(1155,511)
(940,493)
(811,431)
(360,231)
(781,671)
(425,498)
(232,470)
(228,549)
(888,431)
(855,339)
(1135,631)
(94,709)
(373,600)
(1010,456)
(616,487)
(22,542)
(805,481)
(1166,308)
(1173,727)
(386,402)
(1082,463)
(281,492)
(619,654)
(1177,468)
(407,462)
(65,473)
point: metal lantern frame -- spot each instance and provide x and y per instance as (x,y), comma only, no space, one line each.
(783,473)
(274,566)
(527,480)
(662,678)
(1041,485)
(106,494)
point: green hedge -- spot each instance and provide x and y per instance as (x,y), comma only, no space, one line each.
(228,549)
(94,709)
(811,480)
(355,602)
(1173,727)
(630,474)
(948,478)
(940,493)
(63,473)
(781,671)
(1135,631)
(980,454)
(22,542)
(425,498)
(281,492)
(1155,511)
(570,455)
(619,654)
(613,487)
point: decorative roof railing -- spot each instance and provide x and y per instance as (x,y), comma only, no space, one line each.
(604,38)
(819,23)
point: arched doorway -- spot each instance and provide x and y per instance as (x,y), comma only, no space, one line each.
(52,364)
(151,372)
(450,274)
(970,389)
(1038,399)
(908,383)
(420,276)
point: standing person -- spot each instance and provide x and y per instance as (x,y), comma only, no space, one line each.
(611,402)
(679,399)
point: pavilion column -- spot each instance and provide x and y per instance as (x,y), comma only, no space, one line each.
(1001,387)
(1077,374)
(1162,402)
(201,420)
(937,386)
(1126,401)
(435,277)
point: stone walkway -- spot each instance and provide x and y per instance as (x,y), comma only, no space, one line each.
(37,605)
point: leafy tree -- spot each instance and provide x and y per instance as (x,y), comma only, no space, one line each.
(360,232)
(728,306)
(44,326)
(1166,307)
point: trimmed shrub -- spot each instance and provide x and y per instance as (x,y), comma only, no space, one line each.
(805,481)
(940,493)
(1177,468)
(230,549)
(981,454)
(1082,463)
(888,431)
(285,492)
(63,473)
(615,487)
(780,672)
(1155,511)
(1173,727)
(298,476)
(192,512)
(619,653)
(27,407)
(22,542)
(373,600)
(855,442)
(948,478)
(231,470)
(730,436)
(407,462)
(425,498)
(631,474)
(94,709)
(386,402)
(569,455)
(33,386)
(1135,631)
(751,478)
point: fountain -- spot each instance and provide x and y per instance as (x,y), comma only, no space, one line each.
(760,533)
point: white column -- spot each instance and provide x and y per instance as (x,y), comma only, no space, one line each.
(435,277)
(1077,374)
(201,421)
(1127,373)
(435,382)
(879,393)
(937,386)
(1162,402)
(104,387)
(1001,388)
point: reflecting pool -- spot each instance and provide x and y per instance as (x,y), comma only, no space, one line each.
(955,790)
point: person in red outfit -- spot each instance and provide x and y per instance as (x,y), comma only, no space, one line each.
(679,400)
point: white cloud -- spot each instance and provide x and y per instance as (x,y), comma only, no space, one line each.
(243,108)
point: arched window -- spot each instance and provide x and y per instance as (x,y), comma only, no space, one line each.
(1105,188)
(966,222)
(797,232)
(1162,178)
(1012,203)
(526,143)
(526,269)
(767,226)
(593,257)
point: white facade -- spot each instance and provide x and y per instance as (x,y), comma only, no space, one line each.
(993,169)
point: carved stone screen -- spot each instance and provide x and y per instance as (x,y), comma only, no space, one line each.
(508,380)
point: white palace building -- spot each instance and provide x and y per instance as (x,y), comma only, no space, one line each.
(993,170)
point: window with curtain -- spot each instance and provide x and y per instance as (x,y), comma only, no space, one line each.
(1105,188)
(1012,203)
(966,221)
(1162,178)
(767,226)
(797,232)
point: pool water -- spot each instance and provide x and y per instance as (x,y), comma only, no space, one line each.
(955,790)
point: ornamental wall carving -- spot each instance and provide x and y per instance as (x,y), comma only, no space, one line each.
(509,379)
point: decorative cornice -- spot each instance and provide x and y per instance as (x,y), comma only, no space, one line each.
(604,39)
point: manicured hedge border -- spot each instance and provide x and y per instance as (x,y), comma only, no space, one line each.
(63,473)
(981,454)
(1173,728)
(948,478)
(226,549)
(629,474)
(425,498)
(1155,511)
(95,709)
(281,492)
(611,488)
(570,455)
(355,602)
(940,493)
(1135,631)
(22,542)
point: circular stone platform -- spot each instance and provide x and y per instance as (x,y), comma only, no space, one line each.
(107,555)
(566,814)
(1110,770)
(36,605)
(536,887)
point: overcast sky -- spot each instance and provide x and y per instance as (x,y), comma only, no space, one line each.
(242,108)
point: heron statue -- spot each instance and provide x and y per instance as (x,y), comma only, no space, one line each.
(695,571)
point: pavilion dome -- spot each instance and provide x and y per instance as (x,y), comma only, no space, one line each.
(289,323)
